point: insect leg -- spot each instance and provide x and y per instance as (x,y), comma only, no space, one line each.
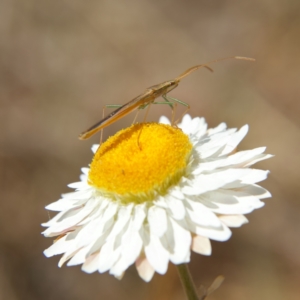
(173,106)
(170,104)
(145,117)
(143,106)
(168,98)
(136,115)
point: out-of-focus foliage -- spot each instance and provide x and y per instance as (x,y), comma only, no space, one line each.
(61,61)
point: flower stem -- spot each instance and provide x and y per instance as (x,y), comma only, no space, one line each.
(187,282)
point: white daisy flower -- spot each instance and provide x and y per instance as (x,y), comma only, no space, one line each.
(153,194)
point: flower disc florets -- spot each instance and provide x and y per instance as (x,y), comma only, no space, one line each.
(155,193)
(140,162)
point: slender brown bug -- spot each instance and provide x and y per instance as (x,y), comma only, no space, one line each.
(148,97)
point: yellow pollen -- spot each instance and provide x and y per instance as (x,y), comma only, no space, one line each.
(139,162)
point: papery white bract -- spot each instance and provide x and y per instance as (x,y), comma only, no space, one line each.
(217,189)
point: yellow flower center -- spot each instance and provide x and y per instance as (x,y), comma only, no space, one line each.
(139,162)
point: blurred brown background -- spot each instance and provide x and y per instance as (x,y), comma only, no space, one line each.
(61,61)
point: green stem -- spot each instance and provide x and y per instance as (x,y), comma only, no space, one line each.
(187,282)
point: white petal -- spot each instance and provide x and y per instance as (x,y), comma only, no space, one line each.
(100,209)
(235,140)
(139,216)
(164,120)
(78,195)
(96,245)
(201,245)
(255,190)
(63,204)
(227,202)
(175,207)
(84,178)
(245,158)
(185,123)
(66,257)
(199,127)
(202,216)
(195,128)
(208,182)
(176,192)
(72,218)
(97,230)
(234,220)
(156,254)
(95,148)
(254,176)
(58,247)
(221,234)
(237,160)
(70,200)
(131,246)
(85,171)
(130,251)
(54,221)
(212,146)
(217,235)
(108,256)
(258,158)
(118,276)
(78,185)
(91,263)
(177,241)
(124,215)
(79,257)
(144,269)
(221,127)
(157,219)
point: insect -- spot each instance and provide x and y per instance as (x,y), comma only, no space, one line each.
(148,97)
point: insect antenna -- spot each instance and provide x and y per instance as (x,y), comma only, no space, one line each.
(206,65)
